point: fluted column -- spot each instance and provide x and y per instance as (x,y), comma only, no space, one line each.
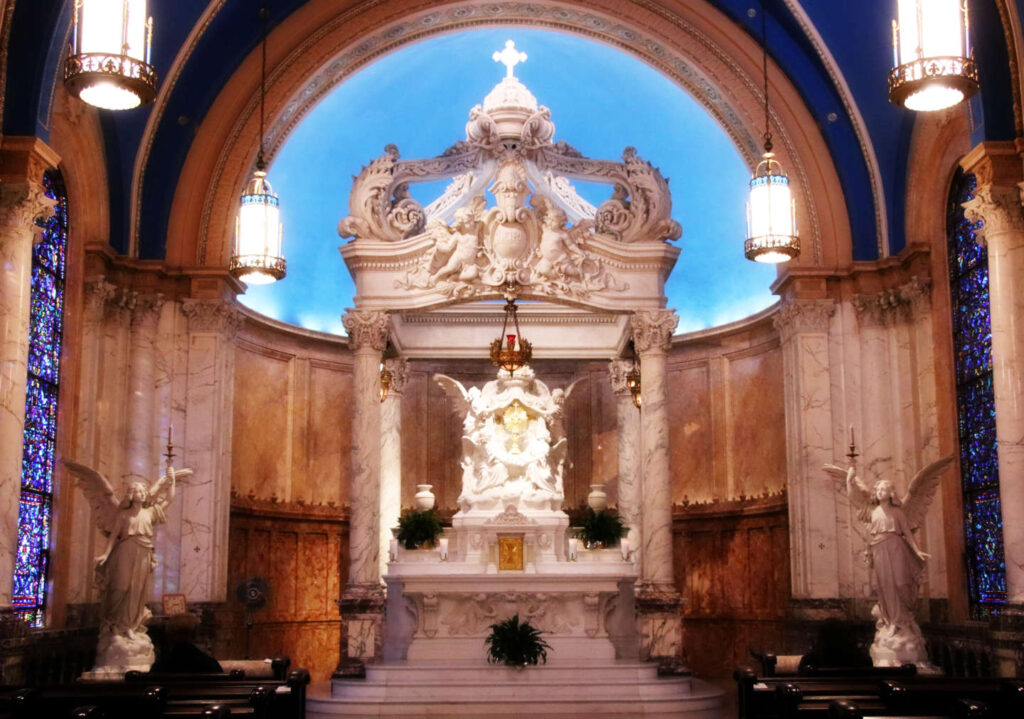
(141,465)
(630,495)
(803,325)
(997,203)
(22,201)
(658,602)
(391,456)
(362,603)
(205,447)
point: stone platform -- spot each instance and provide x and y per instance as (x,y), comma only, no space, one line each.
(477,689)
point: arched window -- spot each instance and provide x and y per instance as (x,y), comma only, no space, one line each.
(47,323)
(976,409)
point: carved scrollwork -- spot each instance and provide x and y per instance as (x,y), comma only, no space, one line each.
(367,328)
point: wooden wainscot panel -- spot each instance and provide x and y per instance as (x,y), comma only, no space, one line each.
(732,567)
(301,551)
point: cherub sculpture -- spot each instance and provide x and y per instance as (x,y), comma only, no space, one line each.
(897,561)
(124,571)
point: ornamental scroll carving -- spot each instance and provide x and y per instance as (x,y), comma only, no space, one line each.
(211,316)
(893,305)
(652,330)
(998,208)
(540,233)
(22,205)
(367,328)
(618,371)
(798,316)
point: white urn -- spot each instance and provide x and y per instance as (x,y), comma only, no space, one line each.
(424,498)
(598,498)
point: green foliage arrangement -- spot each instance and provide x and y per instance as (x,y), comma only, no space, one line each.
(515,644)
(419,528)
(601,529)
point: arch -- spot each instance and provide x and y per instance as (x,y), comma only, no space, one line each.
(316,47)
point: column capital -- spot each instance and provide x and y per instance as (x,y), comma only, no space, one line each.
(618,370)
(98,292)
(211,316)
(652,330)
(797,316)
(22,204)
(890,306)
(146,312)
(399,369)
(998,208)
(367,328)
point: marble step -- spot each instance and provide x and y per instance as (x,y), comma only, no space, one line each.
(432,673)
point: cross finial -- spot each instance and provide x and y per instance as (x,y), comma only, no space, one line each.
(509,57)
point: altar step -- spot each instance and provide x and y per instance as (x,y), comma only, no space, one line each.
(608,689)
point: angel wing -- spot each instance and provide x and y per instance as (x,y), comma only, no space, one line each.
(921,491)
(860,495)
(160,491)
(455,389)
(98,491)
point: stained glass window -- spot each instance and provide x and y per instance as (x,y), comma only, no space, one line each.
(47,324)
(976,409)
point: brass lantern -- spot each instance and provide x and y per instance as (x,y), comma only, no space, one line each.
(109,63)
(511,351)
(932,64)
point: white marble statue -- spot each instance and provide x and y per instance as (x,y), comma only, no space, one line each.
(124,571)
(897,562)
(513,441)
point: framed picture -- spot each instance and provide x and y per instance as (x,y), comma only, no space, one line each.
(174,604)
(510,552)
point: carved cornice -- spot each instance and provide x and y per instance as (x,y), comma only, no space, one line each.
(798,316)
(211,316)
(893,305)
(652,330)
(399,369)
(618,370)
(367,328)
(998,208)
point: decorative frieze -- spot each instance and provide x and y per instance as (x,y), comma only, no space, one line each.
(367,328)
(652,330)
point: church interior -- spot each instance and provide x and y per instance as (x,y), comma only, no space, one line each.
(127,348)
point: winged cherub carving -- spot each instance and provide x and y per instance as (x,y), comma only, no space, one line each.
(896,558)
(124,570)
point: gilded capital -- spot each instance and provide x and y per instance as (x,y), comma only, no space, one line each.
(618,370)
(652,330)
(367,328)
(797,316)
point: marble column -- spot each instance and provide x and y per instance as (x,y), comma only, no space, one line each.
(391,456)
(803,325)
(205,447)
(362,602)
(630,494)
(997,203)
(658,601)
(141,465)
(22,201)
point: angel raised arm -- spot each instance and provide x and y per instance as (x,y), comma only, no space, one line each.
(124,570)
(897,561)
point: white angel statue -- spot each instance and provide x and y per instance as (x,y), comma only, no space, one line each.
(124,571)
(897,562)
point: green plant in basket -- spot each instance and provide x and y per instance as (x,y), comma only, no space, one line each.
(419,528)
(601,529)
(515,644)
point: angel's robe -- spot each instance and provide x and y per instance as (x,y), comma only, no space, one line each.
(127,575)
(895,565)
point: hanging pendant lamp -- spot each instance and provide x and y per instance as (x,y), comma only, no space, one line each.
(257,259)
(932,64)
(771,212)
(109,63)
(511,351)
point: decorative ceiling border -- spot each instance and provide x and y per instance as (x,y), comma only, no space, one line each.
(417,26)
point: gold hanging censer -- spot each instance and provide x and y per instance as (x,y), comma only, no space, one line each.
(510,351)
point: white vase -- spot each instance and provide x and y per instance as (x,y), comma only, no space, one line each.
(597,499)
(424,497)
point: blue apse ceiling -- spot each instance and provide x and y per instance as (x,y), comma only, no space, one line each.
(856,35)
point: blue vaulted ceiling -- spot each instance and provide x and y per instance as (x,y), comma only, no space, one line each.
(856,35)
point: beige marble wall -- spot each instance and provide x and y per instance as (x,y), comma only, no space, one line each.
(727,423)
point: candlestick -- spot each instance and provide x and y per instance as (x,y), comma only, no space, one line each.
(393,549)
(574,546)
(624,548)
(442,544)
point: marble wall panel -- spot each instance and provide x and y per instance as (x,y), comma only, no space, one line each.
(691,457)
(328,434)
(261,444)
(757,422)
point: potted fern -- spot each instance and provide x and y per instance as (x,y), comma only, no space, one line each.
(601,529)
(419,528)
(516,644)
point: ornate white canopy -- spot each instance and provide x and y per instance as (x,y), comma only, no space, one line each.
(538,235)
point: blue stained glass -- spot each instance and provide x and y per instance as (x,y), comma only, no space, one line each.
(979,457)
(46,328)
